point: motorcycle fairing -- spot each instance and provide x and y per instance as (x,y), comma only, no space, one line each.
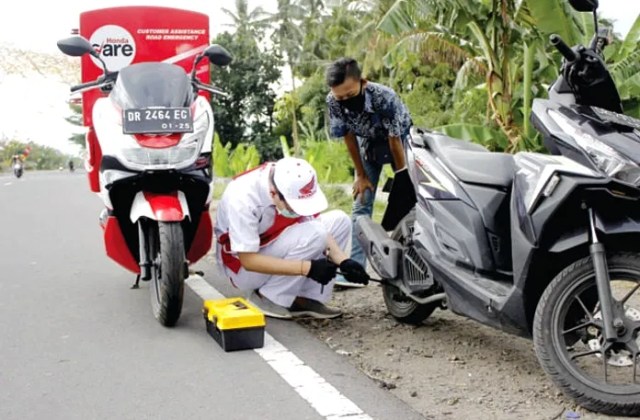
(116,246)
(164,207)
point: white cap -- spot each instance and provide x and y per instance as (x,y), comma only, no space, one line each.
(298,183)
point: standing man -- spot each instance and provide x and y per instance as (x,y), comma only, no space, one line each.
(374,123)
(274,243)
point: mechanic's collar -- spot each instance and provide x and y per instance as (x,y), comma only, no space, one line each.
(368,105)
(265,191)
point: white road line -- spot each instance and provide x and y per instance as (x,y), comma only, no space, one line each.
(8,183)
(320,394)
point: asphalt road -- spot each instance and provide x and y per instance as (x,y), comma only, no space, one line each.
(77,343)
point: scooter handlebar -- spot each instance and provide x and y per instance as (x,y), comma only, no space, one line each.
(564,49)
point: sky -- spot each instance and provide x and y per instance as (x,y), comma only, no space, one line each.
(20,26)
(37,25)
(26,21)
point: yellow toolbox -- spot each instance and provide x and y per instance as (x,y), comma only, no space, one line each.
(234,323)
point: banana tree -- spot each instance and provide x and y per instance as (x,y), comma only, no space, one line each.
(624,58)
(500,39)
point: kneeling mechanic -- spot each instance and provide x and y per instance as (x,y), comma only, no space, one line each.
(275,242)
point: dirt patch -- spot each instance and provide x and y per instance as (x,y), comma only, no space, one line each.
(448,368)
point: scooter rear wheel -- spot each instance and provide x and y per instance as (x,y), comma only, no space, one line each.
(167,283)
(400,306)
(403,308)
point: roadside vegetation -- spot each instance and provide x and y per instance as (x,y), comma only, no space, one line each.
(468,68)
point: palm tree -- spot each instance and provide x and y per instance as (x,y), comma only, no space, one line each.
(288,34)
(251,22)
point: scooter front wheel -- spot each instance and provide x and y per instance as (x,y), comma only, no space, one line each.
(167,283)
(600,375)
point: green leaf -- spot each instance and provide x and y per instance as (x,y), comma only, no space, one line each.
(433,46)
(630,42)
(626,68)
(555,17)
(527,88)
(220,158)
(285,146)
(482,39)
(630,88)
(397,19)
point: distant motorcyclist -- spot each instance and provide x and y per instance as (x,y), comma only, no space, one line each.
(71,167)
(16,165)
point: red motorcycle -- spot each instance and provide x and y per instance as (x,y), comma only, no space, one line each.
(154,133)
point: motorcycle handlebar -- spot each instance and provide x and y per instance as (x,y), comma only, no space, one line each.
(210,88)
(564,49)
(86,85)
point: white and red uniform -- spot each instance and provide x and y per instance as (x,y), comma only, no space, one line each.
(247,221)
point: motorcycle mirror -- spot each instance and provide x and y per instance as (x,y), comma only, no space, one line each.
(584,5)
(218,55)
(76,46)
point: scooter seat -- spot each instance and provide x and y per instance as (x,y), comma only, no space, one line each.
(471,162)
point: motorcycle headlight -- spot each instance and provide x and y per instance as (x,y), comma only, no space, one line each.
(603,156)
(182,155)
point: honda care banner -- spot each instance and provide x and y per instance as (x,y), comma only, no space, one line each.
(126,35)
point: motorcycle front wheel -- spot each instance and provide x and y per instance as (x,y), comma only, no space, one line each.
(167,282)
(569,343)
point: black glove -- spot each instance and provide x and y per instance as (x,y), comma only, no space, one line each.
(402,199)
(354,272)
(322,271)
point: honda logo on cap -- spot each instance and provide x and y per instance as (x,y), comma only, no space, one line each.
(309,189)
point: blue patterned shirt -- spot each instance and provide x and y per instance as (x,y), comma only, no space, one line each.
(384,115)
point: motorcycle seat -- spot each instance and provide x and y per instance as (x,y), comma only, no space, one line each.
(471,162)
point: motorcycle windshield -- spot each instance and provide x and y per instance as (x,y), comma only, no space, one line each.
(149,85)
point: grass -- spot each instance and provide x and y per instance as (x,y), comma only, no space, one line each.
(339,199)
(336,195)
(218,189)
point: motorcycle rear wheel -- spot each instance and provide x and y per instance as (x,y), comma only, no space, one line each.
(400,306)
(568,339)
(167,283)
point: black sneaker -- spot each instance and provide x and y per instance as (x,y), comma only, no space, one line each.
(304,307)
(267,307)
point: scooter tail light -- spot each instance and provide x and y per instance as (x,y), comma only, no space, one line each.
(158,141)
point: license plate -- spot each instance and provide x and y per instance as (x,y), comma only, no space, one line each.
(157,120)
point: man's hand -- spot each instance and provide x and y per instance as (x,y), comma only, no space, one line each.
(354,272)
(322,271)
(360,185)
